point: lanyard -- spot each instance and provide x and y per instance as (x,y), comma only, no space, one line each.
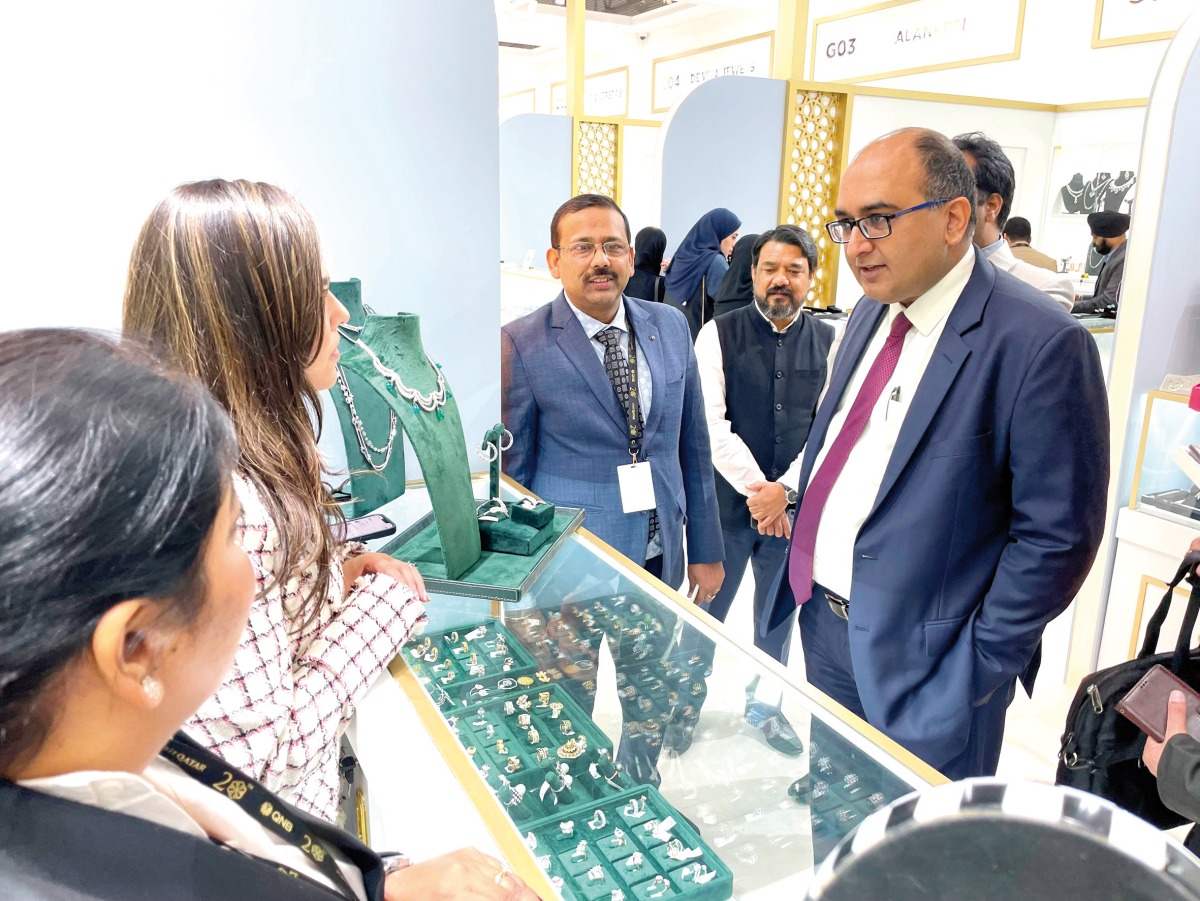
(633,408)
(208,769)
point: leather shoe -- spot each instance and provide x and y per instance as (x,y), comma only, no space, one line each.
(775,728)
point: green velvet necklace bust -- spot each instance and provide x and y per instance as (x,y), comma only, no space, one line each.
(417,391)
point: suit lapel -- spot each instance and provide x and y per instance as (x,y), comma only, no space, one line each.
(948,358)
(574,343)
(859,330)
(649,344)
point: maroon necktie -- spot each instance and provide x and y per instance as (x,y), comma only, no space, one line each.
(808,518)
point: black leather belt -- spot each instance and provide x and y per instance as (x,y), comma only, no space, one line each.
(839,605)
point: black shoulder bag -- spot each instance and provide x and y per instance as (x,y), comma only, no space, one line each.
(1101,750)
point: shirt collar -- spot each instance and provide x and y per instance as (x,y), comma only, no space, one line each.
(592,327)
(992,248)
(928,310)
(771,322)
(119,792)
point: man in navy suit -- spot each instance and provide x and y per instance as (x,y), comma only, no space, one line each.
(571,430)
(955,474)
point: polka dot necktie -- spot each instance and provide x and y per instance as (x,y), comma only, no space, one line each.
(624,384)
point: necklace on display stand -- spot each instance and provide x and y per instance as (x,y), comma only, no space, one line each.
(1118,190)
(430,403)
(1071,196)
(364,443)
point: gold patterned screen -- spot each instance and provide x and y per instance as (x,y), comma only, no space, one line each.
(597,170)
(811,168)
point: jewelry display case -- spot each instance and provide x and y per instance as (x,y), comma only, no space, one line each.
(598,726)
(1166,481)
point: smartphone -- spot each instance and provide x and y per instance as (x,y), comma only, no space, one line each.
(364,528)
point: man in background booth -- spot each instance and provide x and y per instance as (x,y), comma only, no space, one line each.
(1108,237)
(1019,235)
(996,181)
(954,480)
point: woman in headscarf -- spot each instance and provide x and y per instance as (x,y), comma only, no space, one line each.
(699,265)
(647,278)
(737,287)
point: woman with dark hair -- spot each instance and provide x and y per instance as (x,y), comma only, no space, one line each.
(125,595)
(699,265)
(737,287)
(226,277)
(646,283)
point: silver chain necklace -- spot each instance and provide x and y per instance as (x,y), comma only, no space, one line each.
(430,403)
(364,443)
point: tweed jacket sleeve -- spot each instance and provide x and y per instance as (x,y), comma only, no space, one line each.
(296,678)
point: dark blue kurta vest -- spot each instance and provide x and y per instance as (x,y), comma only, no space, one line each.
(772,384)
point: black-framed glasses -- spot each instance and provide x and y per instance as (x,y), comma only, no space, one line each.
(875,226)
(585,250)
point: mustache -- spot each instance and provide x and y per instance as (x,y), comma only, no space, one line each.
(601,272)
(781,292)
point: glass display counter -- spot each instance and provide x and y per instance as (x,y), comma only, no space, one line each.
(1166,480)
(598,726)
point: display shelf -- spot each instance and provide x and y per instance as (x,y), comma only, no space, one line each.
(658,692)
(1162,485)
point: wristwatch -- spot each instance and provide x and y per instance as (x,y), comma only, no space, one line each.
(790,495)
(393,861)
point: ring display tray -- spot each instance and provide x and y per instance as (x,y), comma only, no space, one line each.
(636,844)
(470,663)
(539,752)
(496,576)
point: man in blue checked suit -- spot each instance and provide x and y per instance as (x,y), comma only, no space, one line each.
(582,399)
(955,475)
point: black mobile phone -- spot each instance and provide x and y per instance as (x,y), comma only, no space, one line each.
(364,528)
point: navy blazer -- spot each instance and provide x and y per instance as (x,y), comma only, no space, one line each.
(570,435)
(989,515)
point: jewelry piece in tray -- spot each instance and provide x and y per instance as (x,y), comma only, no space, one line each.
(634,861)
(596,875)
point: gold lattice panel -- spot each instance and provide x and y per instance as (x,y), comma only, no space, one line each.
(597,170)
(811,167)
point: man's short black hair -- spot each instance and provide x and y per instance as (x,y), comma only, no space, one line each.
(993,170)
(788,234)
(583,202)
(1018,229)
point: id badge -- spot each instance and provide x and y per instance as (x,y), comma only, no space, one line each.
(637,487)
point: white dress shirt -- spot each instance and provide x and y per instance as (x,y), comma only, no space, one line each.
(164,795)
(730,455)
(853,495)
(592,327)
(1058,286)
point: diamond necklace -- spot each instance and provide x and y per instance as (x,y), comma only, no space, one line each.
(364,443)
(430,403)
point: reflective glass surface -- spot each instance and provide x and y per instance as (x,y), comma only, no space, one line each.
(599,708)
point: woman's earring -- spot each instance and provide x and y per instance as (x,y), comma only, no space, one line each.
(153,689)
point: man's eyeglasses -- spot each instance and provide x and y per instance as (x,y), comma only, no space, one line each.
(585,250)
(875,226)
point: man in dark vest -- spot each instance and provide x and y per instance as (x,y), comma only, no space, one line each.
(762,370)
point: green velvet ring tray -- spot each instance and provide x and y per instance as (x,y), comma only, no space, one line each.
(538,516)
(497,576)
(520,789)
(450,667)
(570,854)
